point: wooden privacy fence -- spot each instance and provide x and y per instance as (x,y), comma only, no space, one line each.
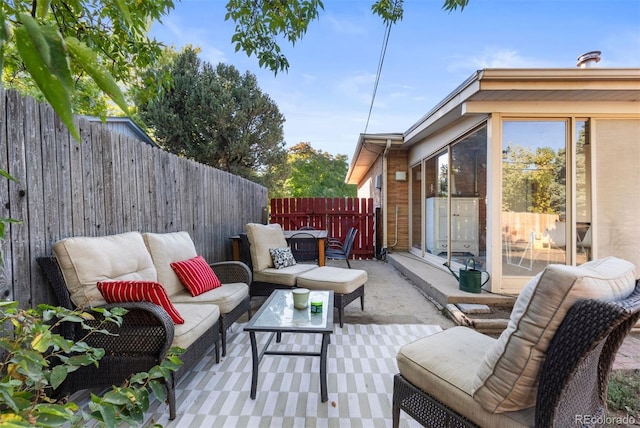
(336,215)
(106,184)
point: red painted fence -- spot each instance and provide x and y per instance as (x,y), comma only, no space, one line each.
(336,215)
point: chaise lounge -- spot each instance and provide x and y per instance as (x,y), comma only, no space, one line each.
(274,267)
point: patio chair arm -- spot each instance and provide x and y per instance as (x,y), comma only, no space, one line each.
(232,271)
(146,329)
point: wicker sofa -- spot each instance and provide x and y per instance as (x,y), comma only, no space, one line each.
(148,332)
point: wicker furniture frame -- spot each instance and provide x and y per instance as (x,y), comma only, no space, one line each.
(140,343)
(257,288)
(342,300)
(573,379)
(229,272)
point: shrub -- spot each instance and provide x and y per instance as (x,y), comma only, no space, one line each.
(35,360)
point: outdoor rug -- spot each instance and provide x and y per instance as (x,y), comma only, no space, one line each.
(360,368)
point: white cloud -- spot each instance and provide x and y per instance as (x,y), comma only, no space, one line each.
(344,26)
(495,58)
(189,35)
(358,87)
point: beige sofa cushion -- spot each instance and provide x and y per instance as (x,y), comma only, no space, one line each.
(198,319)
(86,260)
(507,378)
(340,280)
(262,238)
(166,248)
(444,364)
(285,276)
(227,296)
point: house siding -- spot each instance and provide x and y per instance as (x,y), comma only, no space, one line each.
(397,196)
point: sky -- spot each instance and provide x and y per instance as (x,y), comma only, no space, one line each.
(326,94)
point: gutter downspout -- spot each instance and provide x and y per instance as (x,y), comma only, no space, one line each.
(384,196)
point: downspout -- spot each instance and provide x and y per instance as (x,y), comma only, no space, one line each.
(384,196)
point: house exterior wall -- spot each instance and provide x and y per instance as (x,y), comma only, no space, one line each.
(367,187)
(596,112)
(397,205)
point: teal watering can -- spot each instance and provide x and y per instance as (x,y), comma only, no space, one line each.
(470,279)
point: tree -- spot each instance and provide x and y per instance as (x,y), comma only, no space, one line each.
(50,46)
(315,173)
(53,45)
(534,181)
(218,117)
(260,23)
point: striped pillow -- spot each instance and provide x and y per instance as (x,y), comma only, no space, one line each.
(196,275)
(139,291)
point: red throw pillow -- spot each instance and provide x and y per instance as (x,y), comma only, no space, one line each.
(139,291)
(196,275)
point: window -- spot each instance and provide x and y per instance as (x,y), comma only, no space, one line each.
(534,194)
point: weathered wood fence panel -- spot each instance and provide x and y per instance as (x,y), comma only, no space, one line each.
(108,183)
(335,215)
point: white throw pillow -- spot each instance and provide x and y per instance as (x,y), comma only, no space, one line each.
(282,257)
(508,377)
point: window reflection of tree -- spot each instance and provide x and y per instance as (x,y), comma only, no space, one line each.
(534,181)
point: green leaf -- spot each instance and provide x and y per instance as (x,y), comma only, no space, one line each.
(116,397)
(50,85)
(58,375)
(39,42)
(89,62)
(139,378)
(42,341)
(6,175)
(42,8)
(59,63)
(159,390)
(124,11)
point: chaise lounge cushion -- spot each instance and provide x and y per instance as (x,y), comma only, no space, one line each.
(507,378)
(285,276)
(341,281)
(86,260)
(262,238)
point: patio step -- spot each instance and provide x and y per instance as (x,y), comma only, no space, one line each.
(440,284)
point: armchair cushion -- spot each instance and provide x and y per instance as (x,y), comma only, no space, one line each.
(448,376)
(507,378)
(86,260)
(282,257)
(262,238)
(139,291)
(196,275)
(166,248)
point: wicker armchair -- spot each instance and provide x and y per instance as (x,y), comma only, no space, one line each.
(572,385)
(140,343)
